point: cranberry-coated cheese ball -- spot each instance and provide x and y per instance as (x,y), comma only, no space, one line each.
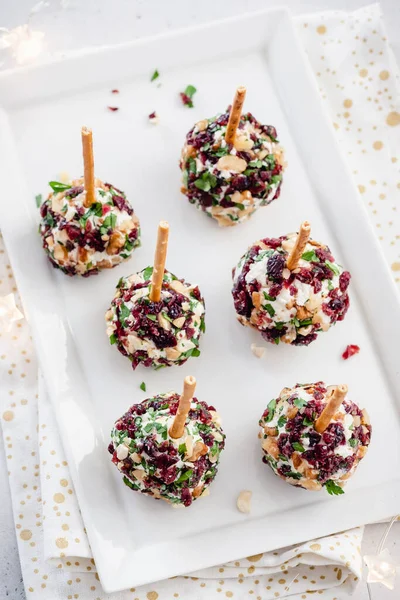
(156,334)
(290,306)
(178,470)
(313,436)
(82,240)
(230,181)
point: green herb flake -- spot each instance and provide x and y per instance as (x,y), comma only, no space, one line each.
(155,75)
(293,475)
(147,273)
(57,186)
(299,402)
(282,457)
(353,442)
(38,199)
(185,476)
(189,92)
(143,386)
(182,449)
(271,411)
(268,297)
(307,422)
(270,309)
(310,256)
(297,446)
(333,489)
(206,181)
(124,313)
(333,267)
(113,339)
(281,421)
(152,317)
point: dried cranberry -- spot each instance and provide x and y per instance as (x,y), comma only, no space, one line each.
(186,497)
(351,349)
(344,281)
(275,265)
(164,339)
(304,340)
(74,191)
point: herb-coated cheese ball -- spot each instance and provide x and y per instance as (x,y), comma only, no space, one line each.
(82,240)
(302,456)
(154,463)
(156,334)
(290,306)
(230,182)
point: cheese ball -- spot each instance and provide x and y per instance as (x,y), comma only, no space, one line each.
(82,240)
(156,334)
(230,182)
(289,306)
(300,455)
(153,463)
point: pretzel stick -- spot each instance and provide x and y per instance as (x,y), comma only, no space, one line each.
(160,257)
(88,165)
(235,114)
(299,245)
(331,407)
(178,426)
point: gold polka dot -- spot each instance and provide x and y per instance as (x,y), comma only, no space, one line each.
(396,266)
(65,527)
(339,574)
(348,103)
(315,547)
(363,72)
(281,581)
(152,595)
(377,145)
(361,189)
(384,75)
(25,535)
(321,29)
(63,482)
(393,119)
(59,498)
(251,569)
(8,415)
(61,543)
(254,557)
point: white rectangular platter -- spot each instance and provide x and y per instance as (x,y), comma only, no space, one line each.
(135,539)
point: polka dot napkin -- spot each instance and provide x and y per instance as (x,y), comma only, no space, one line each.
(357,79)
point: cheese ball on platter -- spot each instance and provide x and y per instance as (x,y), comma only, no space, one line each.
(87,225)
(314,437)
(168,447)
(229,178)
(82,240)
(156,330)
(290,288)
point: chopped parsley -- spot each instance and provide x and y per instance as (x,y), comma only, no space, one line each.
(308,422)
(293,475)
(271,410)
(147,273)
(124,314)
(310,256)
(353,442)
(299,402)
(96,209)
(268,297)
(333,489)
(187,96)
(113,339)
(334,268)
(57,186)
(108,223)
(281,421)
(270,309)
(206,181)
(185,476)
(143,386)
(38,199)
(297,446)
(155,75)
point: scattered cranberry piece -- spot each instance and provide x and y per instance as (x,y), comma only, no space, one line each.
(112,108)
(115,91)
(350,351)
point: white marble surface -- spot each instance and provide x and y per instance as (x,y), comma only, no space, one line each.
(87,22)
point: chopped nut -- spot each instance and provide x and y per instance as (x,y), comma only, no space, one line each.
(270,445)
(302,313)
(258,351)
(179,322)
(197,491)
(200,449)
(139,474)
(243,142)
(231,163)
(310,484)
(365,418)
(256,298)
(292,412)
(202,125)
(271,431)
(243,501)
(117,241)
